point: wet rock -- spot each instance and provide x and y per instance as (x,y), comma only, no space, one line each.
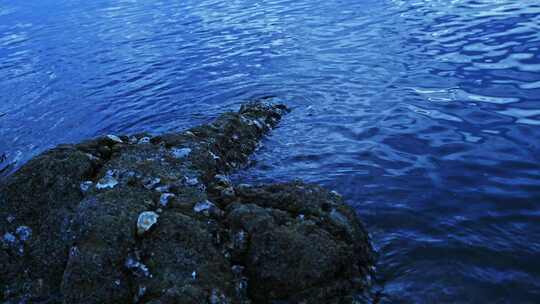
(107,182)
(86,185)
(165,198)
(163,189)
(203,206)
(228,193)
(23,233)
(157,220)
(191,181)
(115,138)
(144,140)
(222,180)
(151,182)
(180,152)
(134,264)
(42,196)
(102,236)
(9,239)
(145,221)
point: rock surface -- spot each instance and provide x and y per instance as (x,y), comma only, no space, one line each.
(145,219)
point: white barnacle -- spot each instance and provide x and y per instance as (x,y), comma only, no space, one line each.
(239,239)
(259,124)
(245,120)
(163,189)
(223,179)
(107,182)
(73,251)
(145,221)
(217,297)
(191,181)
(180,152)
(137,267)
(203,206)
(165,198)
(142,291)
(151,183)
(144,140)
(214,157)
(241,285)
(237,269)
(335,193)
(9,238)
(115,138)
(92,157)
(85,186)
(24,233)
(244,186)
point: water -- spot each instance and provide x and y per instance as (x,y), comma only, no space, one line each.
(424,114)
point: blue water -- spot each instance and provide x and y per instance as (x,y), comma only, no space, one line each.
(424,114)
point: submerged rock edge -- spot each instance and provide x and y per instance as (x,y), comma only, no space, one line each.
(214,242)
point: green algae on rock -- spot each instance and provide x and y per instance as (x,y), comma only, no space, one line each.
(155,219)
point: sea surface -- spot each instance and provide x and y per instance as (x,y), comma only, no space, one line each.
(424,114)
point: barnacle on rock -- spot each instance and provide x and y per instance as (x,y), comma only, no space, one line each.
(145,221)
(180,152)
(115,138)
(118,219)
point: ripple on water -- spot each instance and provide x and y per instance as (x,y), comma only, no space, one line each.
(424,114)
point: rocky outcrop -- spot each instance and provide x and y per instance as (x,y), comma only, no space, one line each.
(142,219)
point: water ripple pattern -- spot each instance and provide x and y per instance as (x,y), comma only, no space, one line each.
(425,114)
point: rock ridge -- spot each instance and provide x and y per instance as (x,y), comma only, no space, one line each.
(155,219)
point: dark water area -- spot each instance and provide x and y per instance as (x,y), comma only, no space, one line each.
(424,114)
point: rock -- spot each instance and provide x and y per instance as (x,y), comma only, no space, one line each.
(151,183)
(42,196)
(228,192)
(164,199)
(222,179)
(144,140)
(145,221)
(115,138)
(191,181)
(148,220)
(137,267)
(108,181)
(9,239)
(203,206)
(85,186)
(180,152)
(24,233)
(163,189)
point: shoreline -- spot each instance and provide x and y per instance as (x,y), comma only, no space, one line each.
(155,219)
